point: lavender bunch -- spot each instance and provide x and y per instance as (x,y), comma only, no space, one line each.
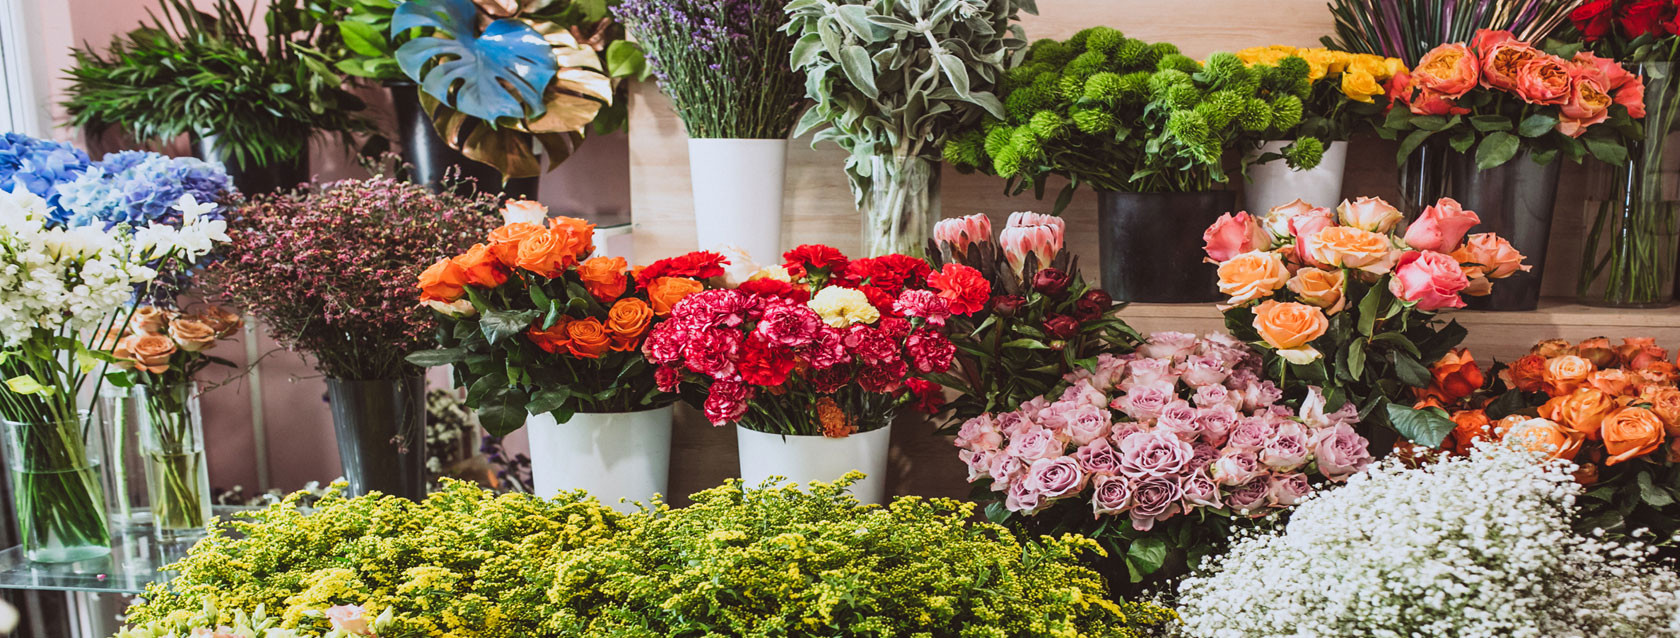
(725,64)
(1407,29)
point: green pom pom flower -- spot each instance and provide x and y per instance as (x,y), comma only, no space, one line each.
(1291,69)
(1070,88)
(1188,127)
(1024,102)
(1304,154)
(1256,115)
(1081,40)
(1178,62)
(1048,126)
(1286,112)
(1134,86)
(1104,40)
(1134,54)
(1103,87)
(1093,121)
(1007,162)
(1162,81)
(1221,68)
(1164,49)
(997,139)
(1025,144)
(1086,64)
(1050,52)
(1182,96)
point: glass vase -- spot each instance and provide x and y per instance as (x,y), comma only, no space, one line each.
(125,474)
(57,490)
(900,205)
(177,475)
(1630,240)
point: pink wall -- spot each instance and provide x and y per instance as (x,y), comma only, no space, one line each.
(301,445)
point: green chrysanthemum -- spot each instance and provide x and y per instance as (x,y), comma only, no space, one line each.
(964,150)
(1304,154)
(1024,102)
(1025,144)
(1188,127)
(1286,112)
(1182,96)
(1070,88)
(1050,52)
(1256,115)
(1048,126)
(1134,54)
(1104,40)
(1086,64)
(1164,49)
(1103,87)
(1221,68)
(1081,39)
(1291,69)
(1162,81)
(1093,121)
(997,139)
(1134,86)
(1178,62)
(1006,163)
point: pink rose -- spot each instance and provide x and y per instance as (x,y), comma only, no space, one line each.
(1023,499)
(524,211)
(1250,435)
(1005,471)
(1544,80)
(979,433)
(1083,393)
(350,619)
(1086,423)
(1250,497)
(1202,458)
(1013,424)
(1236,467)
(1441,227)
(1167,345)
(1430,280)
(1260,394)
(1369,213)
(958,233)
(1145,402)
(1340,452)
(1098,458)
(1142,372)
(979,463)
(1155,498)
(1204,370)
(1230,236)
(1211,395)
(1032,407)
(1277,219)
(1200,490)
(1486,255)
(1055,478)
(1154,453)
(1287,449)
(1215,422)
(1037,443)
(1112,495)
(1288,489)
(1305,226)
(1178,418)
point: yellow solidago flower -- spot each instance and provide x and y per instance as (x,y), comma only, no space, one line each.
(842,307)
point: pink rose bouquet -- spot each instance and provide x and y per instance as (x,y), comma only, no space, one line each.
(1346,299)
(1502,95)
(1160,449)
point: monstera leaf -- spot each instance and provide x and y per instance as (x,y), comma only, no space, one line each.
(500,73)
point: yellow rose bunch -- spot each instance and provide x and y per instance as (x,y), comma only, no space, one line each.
(1360,76)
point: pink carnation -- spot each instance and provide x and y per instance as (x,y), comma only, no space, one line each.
(789,324)
(924,304)
(726,401)
(931,351)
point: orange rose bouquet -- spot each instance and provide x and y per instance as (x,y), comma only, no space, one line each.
(534,325)
(1346,300)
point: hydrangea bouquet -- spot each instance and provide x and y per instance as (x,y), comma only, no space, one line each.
(39,166)
(821,346)
(1157,453)
(1347,299)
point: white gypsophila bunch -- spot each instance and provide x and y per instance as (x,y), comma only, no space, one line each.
(1469,547)
(56,279)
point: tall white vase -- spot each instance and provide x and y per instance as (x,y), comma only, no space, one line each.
(616,455)
(1274,184)
(738,194)
(802,459)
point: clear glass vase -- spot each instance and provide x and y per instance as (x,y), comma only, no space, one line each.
(177,476)
(900,206)
(1631,237)
(125,473)
(57,490)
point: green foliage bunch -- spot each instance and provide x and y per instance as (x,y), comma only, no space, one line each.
(1120,114)
(785,562)
(464,562)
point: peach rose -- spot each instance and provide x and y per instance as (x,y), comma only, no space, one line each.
(1502,58)
(483,269)
(1429,280)
(192,335)
(1322,288)
(523,211)
(1553,407)
(1545,437)
(1307,225)
(548,254)
(1251,276)
(1348,247)
(505,241)
(1614,382)
(151,319)
(1553,348)
(225,322)
(1584,411)
(1290,328)
(144,351)
(1639,353)
(665,292)
(1631,433)
(1665,403)
(1490,256)
(1599,351)
(1566,373)
(604,277)
(578,235)
(1544,80)
(1233,235)
(1277,219)
(628,320)
(1449,70)
(1657,373)
(444,281)
(1368,213)
(587,339)
(1471,426)
(1527,373)
(1586,104)
(1441,227)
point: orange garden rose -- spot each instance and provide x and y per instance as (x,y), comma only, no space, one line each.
(586,338)
(1471,426)
(481,267)
(1631,433)
(1251,276)
(443,281)
(1599,352)
(665,292)
(1552,348)
(552,340)
(1553,407)
(1449,70)
(192,335)
(579,235)
(1658,373)
(628,321)
(144,351)
(1565,373)
(1456,376)
(1290,327)
(504,241)
(1348,247)
(1527,373)
(1584,411)
(1639,353)
(1543,436)
(1322,288)
(1614,382)
(548,254)
(604,277)
(1665,403)
(150,319)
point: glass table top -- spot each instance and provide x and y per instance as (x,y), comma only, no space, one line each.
(135,561)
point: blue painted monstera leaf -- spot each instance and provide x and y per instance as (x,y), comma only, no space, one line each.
(500,73)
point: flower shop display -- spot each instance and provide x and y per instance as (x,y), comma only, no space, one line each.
(544,336)
(502,81)
(1478,546)
(1157,455)
(1408,29)
(727,69)
(1147,127)
(1631,249)
(330,273)
(206,75)
(890,83)
(1345,88)
(1521,109)
(811,360)
(785,561)
(1347,300)
(1043,321)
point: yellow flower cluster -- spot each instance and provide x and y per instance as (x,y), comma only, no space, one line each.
(1361,75)
(842,307)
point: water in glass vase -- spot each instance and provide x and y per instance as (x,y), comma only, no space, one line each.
(56,512)
(177,476)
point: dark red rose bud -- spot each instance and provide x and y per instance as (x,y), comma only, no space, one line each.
(1007,306)
(1050,281)
(1093,305)
(1061,326)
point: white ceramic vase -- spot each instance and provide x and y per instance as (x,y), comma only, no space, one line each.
(802,459)
(1274,184)
(738,195)
(613,455)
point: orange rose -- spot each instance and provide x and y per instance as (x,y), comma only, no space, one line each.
(223,320)
(1657,373)
(1527,373)
(1322,288)
(1487,256)
(1665,403)
(192,335)
(150,319)
(505,241)
(548,254)
(1456,376)
(1584,411)
(1552,348)
(1599,352)
(665,292)
(443,281)
(604,277)
(1674,451)
(1545,437)
(1614,382)
(1640,352)
(1631,433)
(553,340)
(578,235)
(1553,408)
(143,351)
(482,267)
(1565,373)
(1473,426)
(1290,327)
(586,338)
(1349,247)
(628,320)
(1252,275)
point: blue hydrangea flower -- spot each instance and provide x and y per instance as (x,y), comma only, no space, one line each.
(39,165)
(139,188)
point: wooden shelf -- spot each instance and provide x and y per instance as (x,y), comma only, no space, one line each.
(1501,335)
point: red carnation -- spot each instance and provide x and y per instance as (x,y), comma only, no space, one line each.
(667,378)
(712,352)
(789,324)
(931,351)
(929,396)
(830,380)
(883,377)
(1643,17)
(1592,19)
(765,363)
(963,287)
(811,258)
(700,264)
(726,402)
(870,344)
(827,350)
(775,288)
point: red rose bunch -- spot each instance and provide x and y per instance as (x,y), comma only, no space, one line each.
(1612,25)
(820,331)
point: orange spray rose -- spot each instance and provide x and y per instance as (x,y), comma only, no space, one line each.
(604,277)
(1631,433)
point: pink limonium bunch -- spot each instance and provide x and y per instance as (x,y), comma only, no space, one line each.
(1183,432)
(1031,234)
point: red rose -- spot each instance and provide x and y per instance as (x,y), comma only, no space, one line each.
(1643,17)
(929,396)
(1061,326)
(963,287)
(815,258)
(1092,305)
(1007,305)
(1050,281)
(1592,19)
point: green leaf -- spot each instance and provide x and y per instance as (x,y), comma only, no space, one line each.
(364,39)
(1146,555)
(1490,123)
(501,324)
(860,71)
(1607,149)
(1356,359)
(1398,340)
(806,51)
(435,358)
(1653,495)
(1411,372)
(626,60)
(1495,149)
(1370,305)
(1426,427)
(1412,141)
(502,411)
(1537,125)
(1430,122)
(1462,141)
(1030,344)
(549,400)
(27,385)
